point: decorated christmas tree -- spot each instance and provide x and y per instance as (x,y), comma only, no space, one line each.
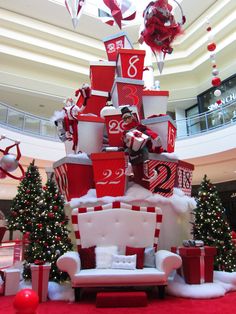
(211,227)
(25,203)
(49,238)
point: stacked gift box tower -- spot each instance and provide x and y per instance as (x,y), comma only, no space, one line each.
(100,131)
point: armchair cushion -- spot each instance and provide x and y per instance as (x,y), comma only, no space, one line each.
(104,256)
(123,261)
(87,257)
(140,255)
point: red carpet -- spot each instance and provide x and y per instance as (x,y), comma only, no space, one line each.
(174,305)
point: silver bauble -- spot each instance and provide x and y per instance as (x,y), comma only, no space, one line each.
(215,72)
(9,163)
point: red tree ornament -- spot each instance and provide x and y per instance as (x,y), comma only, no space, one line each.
(216,81)
(211,46)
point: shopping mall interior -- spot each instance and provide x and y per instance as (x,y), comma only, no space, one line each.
(44,59)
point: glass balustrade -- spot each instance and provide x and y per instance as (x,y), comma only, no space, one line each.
(194,125)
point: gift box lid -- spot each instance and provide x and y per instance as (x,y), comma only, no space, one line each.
(161,118)
(197,251)
(95,92)
(87,118)
(185,164)
(107,155)
(117,35)
(131,51)
(128,81)
(155,93)
(161,157)
(72,160)
(102,63)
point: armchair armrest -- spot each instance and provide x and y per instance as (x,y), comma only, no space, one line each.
(167,261)
(70,263)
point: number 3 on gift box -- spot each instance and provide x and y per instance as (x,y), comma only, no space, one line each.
(131,93)
(164,174)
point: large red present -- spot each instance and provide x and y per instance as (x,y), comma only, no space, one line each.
(40,277)
(90,133)
(74,176)
(130,63)
(115,124)
(102,74)
(157,174)
(154,102)
(165,127)
(96,102)
(197,263)
(184,175)
(109,173)
(114,43)
(135,140)
(127,91)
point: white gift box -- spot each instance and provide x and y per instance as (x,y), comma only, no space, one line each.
(135,140)
(40,276)
(11,281)
(154,102)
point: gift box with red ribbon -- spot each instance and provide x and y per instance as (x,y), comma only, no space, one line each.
(102,74)
(127,91)
(11,278)
(157,174)
(154,102)
(184,175)
(135,140)
(115,42)
(165,127)
(130,63)
(40,277)
(197,263)
(74,176)
(109,173)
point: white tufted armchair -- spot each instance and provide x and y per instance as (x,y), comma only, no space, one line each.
(121,225)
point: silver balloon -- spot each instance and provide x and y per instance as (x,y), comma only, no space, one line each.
(9,163)
(217,92)
(215,72)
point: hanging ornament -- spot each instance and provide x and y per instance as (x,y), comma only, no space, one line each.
(217,92)
(216,81)
(211,47)
(161,29)
(75,7)
(117,11)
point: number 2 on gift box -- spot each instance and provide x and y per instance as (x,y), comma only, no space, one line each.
(115,126)
(112,177)
(164,172)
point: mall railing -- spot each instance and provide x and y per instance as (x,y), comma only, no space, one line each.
(45,128)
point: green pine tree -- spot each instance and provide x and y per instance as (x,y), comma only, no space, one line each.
(50,236)
(25,203)
(211,227)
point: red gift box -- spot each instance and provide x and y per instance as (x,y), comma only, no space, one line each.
(90,133)
(114,43)
(197,263)
(130,63)
(74,176)
(128,92)
(109,173)
(96,102)
(102,74)
(184,175)
(115,124)
(154,102)
(157,174)
(40,276)
(165,127)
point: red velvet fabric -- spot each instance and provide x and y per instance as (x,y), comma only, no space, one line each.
(140,255)
(87,257)
(121,299)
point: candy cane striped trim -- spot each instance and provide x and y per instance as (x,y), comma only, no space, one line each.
(82,210)
(62,180)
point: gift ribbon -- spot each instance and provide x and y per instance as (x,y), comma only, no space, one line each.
(202,265)
(40,282)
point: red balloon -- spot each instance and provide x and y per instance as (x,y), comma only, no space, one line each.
(26,301)
(211,46)
(216,81)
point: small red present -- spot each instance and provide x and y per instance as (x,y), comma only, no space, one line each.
(135,140)
(102,74)
(157,174)
(197,263)
(130,63)
(40,277)
(114,43)
(184,175)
